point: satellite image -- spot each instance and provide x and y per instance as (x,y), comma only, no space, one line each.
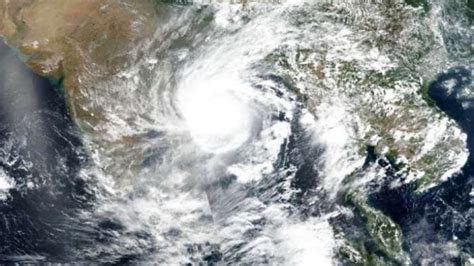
(237,132)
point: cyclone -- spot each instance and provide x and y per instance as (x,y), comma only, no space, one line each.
(221,133)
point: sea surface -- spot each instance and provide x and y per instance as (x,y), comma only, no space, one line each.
(40,156)
(48,209)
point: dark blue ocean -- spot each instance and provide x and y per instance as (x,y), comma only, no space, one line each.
(41,148)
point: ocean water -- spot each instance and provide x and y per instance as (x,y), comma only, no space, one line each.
(443,214)
(40,157)
(234,169)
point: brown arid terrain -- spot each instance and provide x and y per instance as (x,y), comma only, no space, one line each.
(77,42)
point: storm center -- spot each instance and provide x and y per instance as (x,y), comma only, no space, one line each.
(217,119)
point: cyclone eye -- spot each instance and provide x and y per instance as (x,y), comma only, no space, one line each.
(218,120)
